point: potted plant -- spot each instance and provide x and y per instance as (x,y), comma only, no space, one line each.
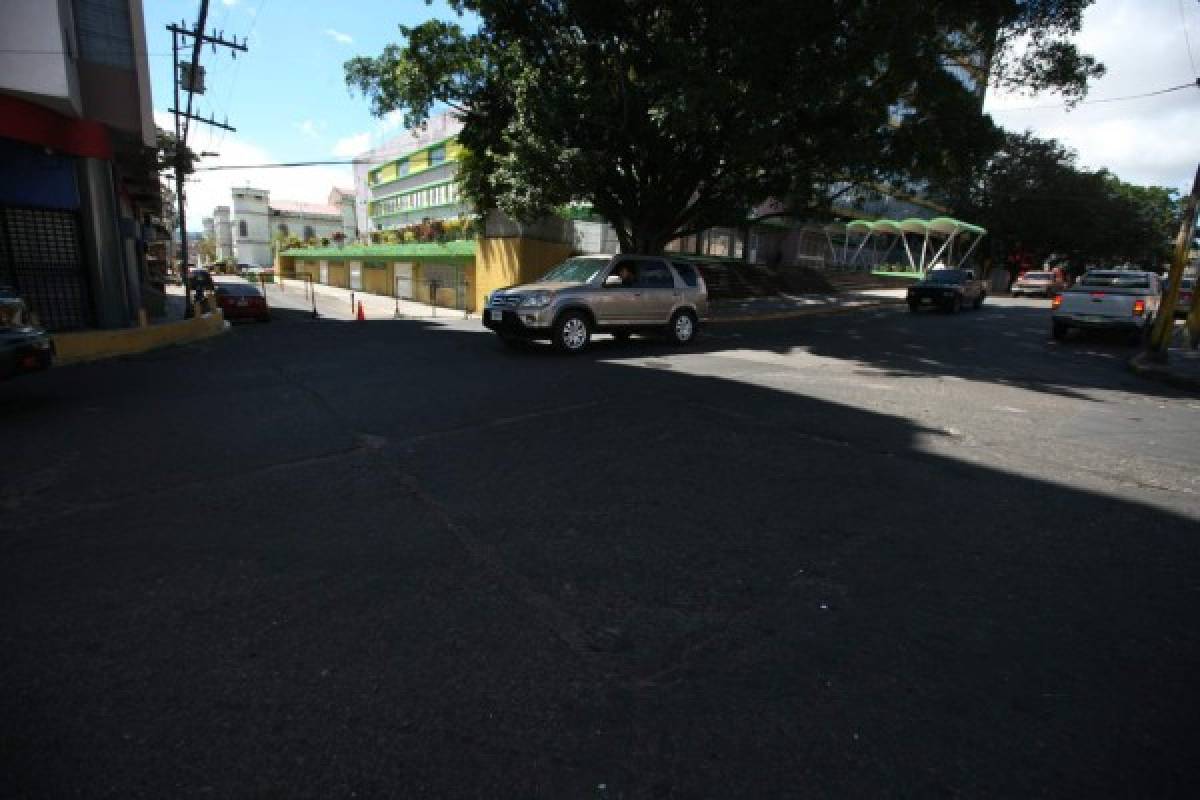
(339,238)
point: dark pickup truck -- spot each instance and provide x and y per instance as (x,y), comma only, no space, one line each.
(948,290)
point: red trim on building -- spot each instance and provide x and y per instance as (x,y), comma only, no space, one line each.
(38,125)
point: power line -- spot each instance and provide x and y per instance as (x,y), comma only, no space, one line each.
(1193,85)
(1187,40)
(289,164)
(237,68)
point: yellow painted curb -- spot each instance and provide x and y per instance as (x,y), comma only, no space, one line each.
(805,312)
(73,348)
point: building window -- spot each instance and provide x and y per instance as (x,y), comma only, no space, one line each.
(105,33)
(242,228)
(437,155)
(309,233)
(402,168)
(283,229)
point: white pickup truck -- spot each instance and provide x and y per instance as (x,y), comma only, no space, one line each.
(1108,300)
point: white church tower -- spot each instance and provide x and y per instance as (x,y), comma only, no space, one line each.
(252,226)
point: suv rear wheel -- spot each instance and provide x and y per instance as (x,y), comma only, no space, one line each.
(682,328)
(572,332)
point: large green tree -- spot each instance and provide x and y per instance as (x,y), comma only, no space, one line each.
(670,116)
(1032,195)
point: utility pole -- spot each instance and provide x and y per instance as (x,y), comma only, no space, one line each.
(1164,323)
(191,80)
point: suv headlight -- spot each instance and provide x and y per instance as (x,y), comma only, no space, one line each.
(536,300)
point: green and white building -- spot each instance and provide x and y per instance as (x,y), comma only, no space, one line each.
(411,178)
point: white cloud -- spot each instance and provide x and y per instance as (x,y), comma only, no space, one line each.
(230,2)
(1143,140)
(207,190)
(339,37)
(310,128)
(350,146)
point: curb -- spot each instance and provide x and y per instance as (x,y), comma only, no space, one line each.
(82,346)
(1141,366)
(817,311)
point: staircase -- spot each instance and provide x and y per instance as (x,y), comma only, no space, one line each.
(734,280)
(856,281)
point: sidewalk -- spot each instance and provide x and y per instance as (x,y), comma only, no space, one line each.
(786,306)
(1182,367)
(335,303)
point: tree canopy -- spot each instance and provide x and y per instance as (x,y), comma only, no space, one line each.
(1032,195)
(671,116)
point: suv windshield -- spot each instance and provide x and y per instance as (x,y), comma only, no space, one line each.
(946,276)
(1121,280)
(575,270)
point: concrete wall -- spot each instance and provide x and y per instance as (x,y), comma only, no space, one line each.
(34,36)
(497,263)
(504,262)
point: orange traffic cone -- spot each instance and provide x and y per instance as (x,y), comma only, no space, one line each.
(361,316)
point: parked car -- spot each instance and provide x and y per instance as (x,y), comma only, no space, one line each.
(617,294)
(23,347)
(1121,300)
(241,300)
(947,289)
(1038,284)
(1183,304)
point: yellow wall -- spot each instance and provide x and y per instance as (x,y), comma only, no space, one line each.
(504,262)
(92,345)
(377,281)
(339,275)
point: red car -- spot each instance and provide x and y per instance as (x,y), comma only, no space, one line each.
(241,300)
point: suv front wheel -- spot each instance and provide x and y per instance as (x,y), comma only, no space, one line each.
(682,328)
(572,332)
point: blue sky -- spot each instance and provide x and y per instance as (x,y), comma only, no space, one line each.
(288,100)
(286,96)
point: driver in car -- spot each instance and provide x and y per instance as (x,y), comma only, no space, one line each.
(625,272)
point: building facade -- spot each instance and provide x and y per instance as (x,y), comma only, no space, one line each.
(257,223)
(80,198)
(411,178)
(223,233)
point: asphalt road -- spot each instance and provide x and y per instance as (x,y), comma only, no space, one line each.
(853,556)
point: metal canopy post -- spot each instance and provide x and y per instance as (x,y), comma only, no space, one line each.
(891,247)
(970,250)
(904,236)
(942,249)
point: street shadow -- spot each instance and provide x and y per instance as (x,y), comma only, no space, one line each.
(665,585)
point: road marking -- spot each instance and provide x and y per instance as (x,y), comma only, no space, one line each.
(1009,409)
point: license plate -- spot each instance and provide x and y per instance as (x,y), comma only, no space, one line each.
(497,316)
(926,300)
(243,301)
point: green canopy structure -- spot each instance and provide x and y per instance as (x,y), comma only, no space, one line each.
(945,230)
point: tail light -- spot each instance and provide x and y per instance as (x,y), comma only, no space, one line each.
(1139,307)
(1056,302)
